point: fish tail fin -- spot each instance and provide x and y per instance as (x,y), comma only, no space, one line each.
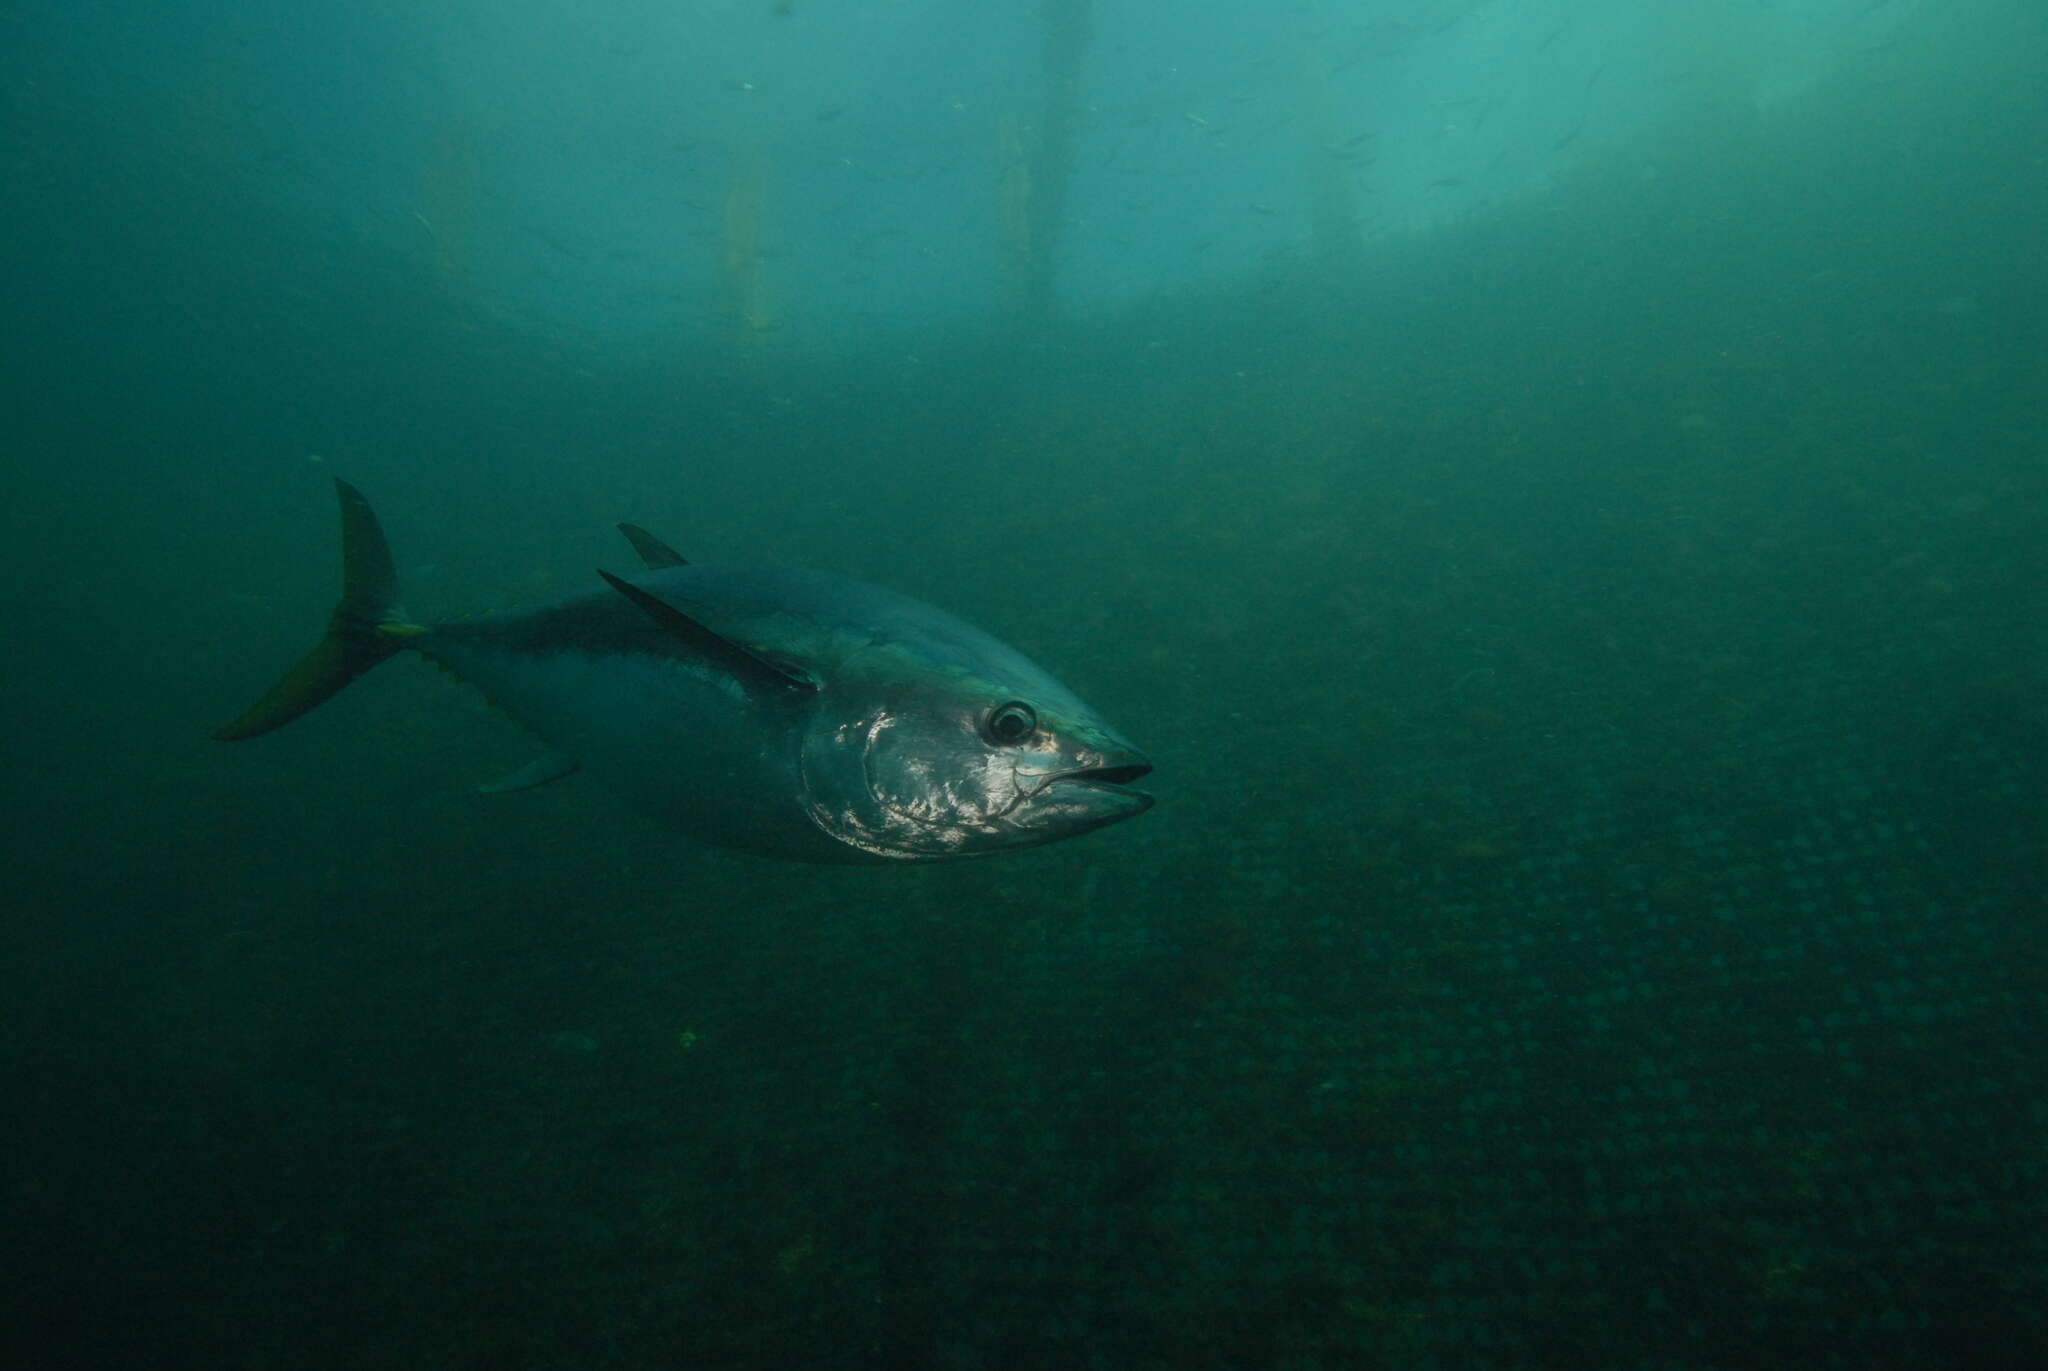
(366,627)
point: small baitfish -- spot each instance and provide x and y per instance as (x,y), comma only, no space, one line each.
(789,713)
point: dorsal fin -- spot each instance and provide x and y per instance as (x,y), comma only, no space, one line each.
(742,662)
(656,554)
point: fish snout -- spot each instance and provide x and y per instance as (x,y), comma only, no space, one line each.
(1101,793)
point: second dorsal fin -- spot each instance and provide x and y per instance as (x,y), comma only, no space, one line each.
(655,553)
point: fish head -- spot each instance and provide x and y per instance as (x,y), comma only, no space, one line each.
(911,762)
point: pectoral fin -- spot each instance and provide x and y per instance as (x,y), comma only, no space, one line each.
(551,766)
(742,661)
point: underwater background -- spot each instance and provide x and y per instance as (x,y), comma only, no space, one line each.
(1557,490)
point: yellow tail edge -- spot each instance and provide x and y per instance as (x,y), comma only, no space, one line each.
(366,628)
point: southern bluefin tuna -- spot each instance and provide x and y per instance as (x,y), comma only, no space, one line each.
(790,713)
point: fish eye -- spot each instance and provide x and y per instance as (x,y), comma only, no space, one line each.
(1010,724)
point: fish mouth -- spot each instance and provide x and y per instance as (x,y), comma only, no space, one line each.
(1106,775)
(1105,790)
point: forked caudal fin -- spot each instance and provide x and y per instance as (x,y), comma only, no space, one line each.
(365,628)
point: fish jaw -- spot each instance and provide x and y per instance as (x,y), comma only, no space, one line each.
(1076,802)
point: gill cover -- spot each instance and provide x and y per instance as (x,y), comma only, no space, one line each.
(938,772)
